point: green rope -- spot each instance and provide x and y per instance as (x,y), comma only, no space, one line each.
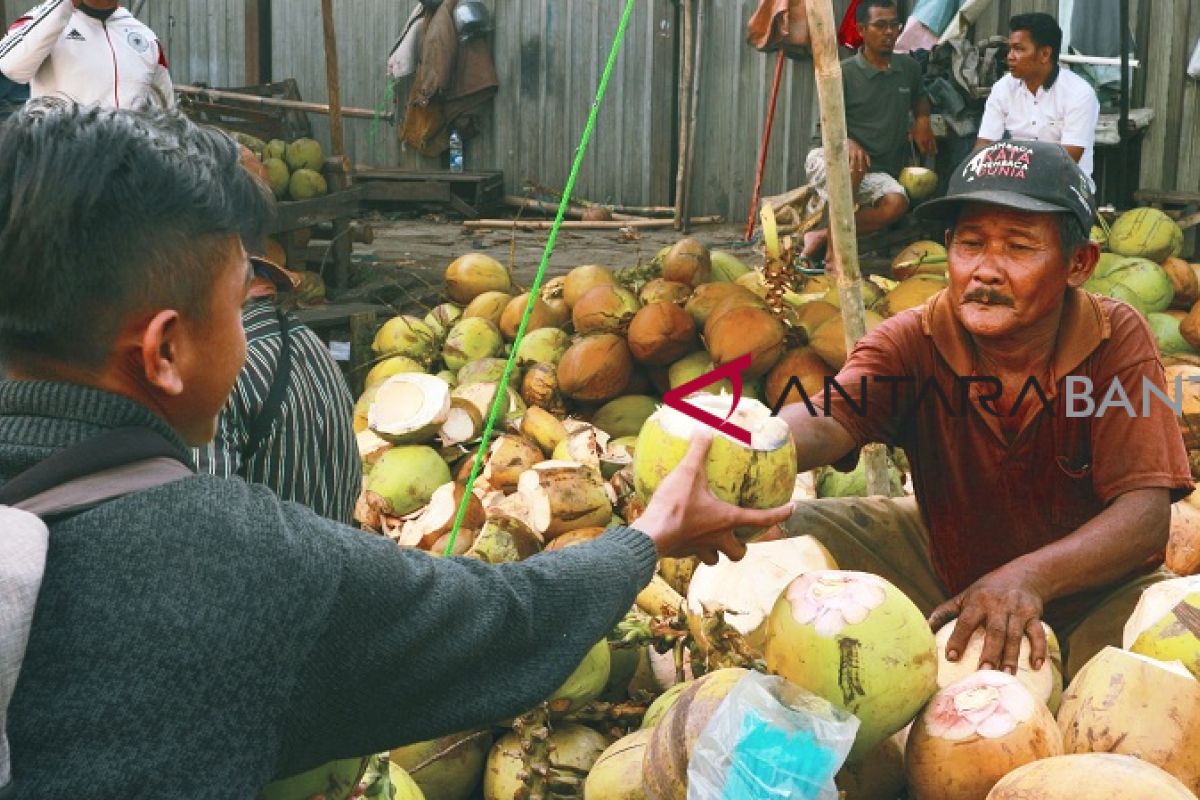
(501,398)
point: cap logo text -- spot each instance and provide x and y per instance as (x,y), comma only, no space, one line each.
(1000,160)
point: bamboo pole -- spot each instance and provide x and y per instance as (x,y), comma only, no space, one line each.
(685,83)
(766,143)
(842,230)
(573,210)
(689,173)
(216,95)
(337,130)
(545,225)
(576,200)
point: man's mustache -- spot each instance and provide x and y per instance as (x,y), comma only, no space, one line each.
(988,296)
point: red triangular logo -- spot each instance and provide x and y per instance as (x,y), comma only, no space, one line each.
(733,370)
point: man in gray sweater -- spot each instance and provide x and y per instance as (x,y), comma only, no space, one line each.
(200,638)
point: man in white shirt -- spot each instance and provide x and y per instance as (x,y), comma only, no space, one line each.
(1038,100)
(92,52)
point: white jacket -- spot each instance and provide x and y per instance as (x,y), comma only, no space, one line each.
(61,51)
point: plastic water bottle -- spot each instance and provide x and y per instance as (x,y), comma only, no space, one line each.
(456,152)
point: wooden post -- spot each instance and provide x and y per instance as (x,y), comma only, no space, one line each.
(258,42)
(842,230)
(690,170)
(685,90)
(337,131)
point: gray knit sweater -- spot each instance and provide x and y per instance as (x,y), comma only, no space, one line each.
(198,639)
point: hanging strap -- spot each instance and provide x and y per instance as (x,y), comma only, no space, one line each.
(107,466)
(261,426)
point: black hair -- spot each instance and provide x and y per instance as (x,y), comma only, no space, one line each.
(105,213)
(1042,28)
(863,14)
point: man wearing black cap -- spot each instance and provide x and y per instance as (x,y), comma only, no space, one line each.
(1038,495)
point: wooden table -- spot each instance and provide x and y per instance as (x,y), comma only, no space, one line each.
(465,192)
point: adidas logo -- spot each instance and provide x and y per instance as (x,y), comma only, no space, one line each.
(75,36)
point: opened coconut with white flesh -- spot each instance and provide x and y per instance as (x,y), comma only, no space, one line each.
(585,444)
(1089,776)
(859,642)
(573,750)
(1122,702)
(437,519)
(759,476)
(1044,683)
(409,408)
(748,589)
(564,496)
(617,455)
(1165,624)
(464,423)
(973,733)
(483,394)
(371,447)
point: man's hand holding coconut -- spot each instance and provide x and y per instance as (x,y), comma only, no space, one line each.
(1030,506)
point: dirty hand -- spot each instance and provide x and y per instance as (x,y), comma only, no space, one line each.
(685,518)
(1008,606)
(923,138)
(860,162)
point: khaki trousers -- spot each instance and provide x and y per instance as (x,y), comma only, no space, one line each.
(887,537)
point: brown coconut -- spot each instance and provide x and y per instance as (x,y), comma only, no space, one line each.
(661,290)
(1189,328)
(508,457)
(707,298)
(604,309)
(542,428)
(596,368)
(661,333)
(806,367)
(688,262)
(1122,702)
(813,314)
(878,776)
(539,387)
(472,275)
(597,214)
(673,739)
(909,294)
(829,339)
(489,306)
(919,257)
(973,733)
(1188,379)
(581,280)
(542,316)
(563,496)
(576,537)
(1184,281)
(1091,776)
(746,329)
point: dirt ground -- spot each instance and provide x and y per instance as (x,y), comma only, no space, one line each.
(412,254)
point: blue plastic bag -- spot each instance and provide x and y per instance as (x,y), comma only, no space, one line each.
(771,739)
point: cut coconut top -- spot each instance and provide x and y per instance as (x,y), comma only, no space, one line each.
(831,600)
(1154,604)
(767,432)
(749,588)
(988,703)
(408,402)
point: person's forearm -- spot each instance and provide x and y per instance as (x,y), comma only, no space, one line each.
(922,109)
(1105,549)
(820,439)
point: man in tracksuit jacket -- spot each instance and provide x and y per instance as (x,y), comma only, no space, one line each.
(93,52)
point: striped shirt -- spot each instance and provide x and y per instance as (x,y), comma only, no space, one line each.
(310,454)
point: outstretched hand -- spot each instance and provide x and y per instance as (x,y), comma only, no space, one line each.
(684,517)
(1008,607)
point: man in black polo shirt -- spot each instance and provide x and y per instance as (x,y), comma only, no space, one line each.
(881,89)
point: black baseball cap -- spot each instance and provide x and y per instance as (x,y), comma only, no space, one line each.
(1027,176)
